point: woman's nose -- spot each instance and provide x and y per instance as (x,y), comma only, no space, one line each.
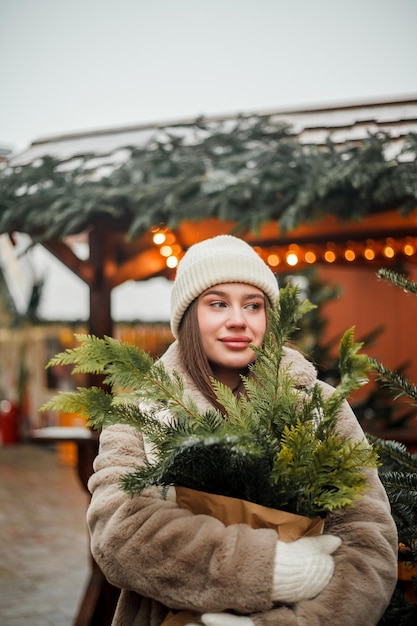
(236,317)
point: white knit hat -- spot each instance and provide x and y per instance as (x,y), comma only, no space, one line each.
(221,259)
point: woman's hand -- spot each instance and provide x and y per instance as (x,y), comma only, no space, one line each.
(303,567)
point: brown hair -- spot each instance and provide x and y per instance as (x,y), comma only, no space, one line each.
(194,358)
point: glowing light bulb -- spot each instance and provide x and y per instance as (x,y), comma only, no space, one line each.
(159,238)
(329,256)
(369,254)
(165,250)
(273,260)
(172,262)
(350,255)
(292,259)
(310,257)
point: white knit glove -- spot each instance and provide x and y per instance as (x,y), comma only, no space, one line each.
(303,568)
(223,619)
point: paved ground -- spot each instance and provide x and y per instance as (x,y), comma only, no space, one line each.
(44,554)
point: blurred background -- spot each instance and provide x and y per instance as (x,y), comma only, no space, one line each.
(92,67)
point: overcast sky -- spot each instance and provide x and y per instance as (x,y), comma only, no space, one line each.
(70,65)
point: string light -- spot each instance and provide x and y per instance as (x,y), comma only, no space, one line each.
(329,256)
(409,249)
(388,251)
(168,247)
(291,259)
(310,257)
(369,254)
(293,253)
(165,250)
(273,260)
(159,238)
(348,252)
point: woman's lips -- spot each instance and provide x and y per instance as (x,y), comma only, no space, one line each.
(236,342)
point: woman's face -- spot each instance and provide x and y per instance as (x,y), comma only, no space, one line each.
(231,316)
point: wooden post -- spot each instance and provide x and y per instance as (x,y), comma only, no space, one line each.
(101,262)
(100,597)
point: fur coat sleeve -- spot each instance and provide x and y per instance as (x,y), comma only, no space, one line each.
(148,545)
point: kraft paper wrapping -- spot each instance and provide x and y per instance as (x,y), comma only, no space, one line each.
(289,526)
(234,511)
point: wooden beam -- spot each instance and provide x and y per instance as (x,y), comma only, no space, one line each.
(389,224)
(63,253)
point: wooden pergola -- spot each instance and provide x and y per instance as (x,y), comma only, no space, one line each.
(327,190)
(324,183)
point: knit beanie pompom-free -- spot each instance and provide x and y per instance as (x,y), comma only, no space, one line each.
(221,259)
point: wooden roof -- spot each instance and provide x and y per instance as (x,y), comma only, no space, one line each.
(312,125)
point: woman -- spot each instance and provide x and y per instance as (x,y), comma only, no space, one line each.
(165,558)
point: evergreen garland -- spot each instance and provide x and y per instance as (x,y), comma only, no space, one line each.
(277,445)
(249,170)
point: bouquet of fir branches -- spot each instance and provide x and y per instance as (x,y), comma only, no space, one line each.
(275,445)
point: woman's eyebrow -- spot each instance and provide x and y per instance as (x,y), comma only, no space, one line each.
(217,292)
(214,292)
(250,296)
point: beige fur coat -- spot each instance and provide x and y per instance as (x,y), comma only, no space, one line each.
(162,556)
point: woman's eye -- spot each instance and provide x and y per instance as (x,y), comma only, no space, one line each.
(254,306)
(217,304)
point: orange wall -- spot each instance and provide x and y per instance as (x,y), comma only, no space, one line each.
(367,303)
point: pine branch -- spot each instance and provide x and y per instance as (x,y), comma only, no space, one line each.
(398,384)
(398,280)
(398,473)
(394,455)
(92,403)
(130,373)
(401,488)
(353,366)
(276,445)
